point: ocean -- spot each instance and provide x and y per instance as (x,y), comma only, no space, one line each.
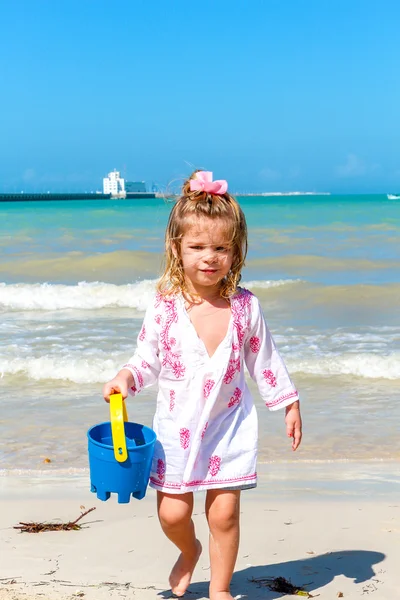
(76,277)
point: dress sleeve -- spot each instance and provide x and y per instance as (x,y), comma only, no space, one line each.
(145,364)
(265,364)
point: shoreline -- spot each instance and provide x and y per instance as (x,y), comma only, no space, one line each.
(310,481)
(333,544)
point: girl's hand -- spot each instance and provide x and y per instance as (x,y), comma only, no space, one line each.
(293,424)
(119,385)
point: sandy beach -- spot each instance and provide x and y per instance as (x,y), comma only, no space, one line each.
(330,544)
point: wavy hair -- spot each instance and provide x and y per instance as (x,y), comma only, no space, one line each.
(188,208)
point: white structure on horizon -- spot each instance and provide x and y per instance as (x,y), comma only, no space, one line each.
(114,185)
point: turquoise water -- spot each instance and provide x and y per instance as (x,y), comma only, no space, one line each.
(347,227)
(75,278)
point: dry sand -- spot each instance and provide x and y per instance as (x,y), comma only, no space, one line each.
(331,545)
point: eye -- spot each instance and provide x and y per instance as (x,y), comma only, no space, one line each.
(221,249)
(196,247)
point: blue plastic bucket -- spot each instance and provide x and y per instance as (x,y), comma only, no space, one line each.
(129,477)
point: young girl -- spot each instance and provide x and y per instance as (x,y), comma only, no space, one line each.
(198,335)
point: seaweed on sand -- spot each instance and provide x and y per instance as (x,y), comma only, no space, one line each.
(282,586)
(33,527)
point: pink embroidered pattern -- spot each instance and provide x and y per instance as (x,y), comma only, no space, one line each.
(241,315)
(206,482)
(145,365)
(171,400)
(214,465)
(204,430)
(178,369)
(255,344)
(283,398)
(184,437)
(235,399)
(208,386)
(161,470)
(171,359)
(233,367)
(137,374)
(269,377)
(142,333)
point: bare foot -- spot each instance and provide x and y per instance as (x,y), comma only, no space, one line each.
(221,596)
(182,572)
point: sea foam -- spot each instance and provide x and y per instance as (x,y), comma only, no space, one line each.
(369,366)
(81,369)
(83,296)
(91,296)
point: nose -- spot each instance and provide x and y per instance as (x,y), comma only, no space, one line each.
(211,256)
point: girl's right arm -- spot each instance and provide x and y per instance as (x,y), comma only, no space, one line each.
(143,368)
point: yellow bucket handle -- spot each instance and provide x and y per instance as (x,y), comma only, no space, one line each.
(118,416)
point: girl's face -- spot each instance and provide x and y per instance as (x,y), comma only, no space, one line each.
(206,254)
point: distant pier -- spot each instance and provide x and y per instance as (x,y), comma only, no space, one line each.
(77,196)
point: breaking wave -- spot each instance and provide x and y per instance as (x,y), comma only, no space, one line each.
(91,296)
(79,368)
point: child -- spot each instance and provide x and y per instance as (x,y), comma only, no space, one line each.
(197,336)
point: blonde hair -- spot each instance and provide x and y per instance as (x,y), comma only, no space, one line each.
(193,205)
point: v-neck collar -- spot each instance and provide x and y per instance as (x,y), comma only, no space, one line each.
(198,338)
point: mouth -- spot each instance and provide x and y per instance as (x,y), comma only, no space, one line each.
(209,271)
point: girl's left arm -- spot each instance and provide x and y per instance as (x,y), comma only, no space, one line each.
(265,364)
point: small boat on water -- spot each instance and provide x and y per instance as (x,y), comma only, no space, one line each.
(393,196)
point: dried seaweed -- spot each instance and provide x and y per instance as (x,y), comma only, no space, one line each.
(282,586)
(33,527)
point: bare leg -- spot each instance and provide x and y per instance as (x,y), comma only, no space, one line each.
(222,510)
(175,515)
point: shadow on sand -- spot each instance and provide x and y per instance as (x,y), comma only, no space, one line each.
(312,573)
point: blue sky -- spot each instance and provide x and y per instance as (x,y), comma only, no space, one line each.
(271,95)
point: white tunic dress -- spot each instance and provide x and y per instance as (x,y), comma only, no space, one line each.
(206,421)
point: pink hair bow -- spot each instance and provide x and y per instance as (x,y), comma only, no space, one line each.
(204,183)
